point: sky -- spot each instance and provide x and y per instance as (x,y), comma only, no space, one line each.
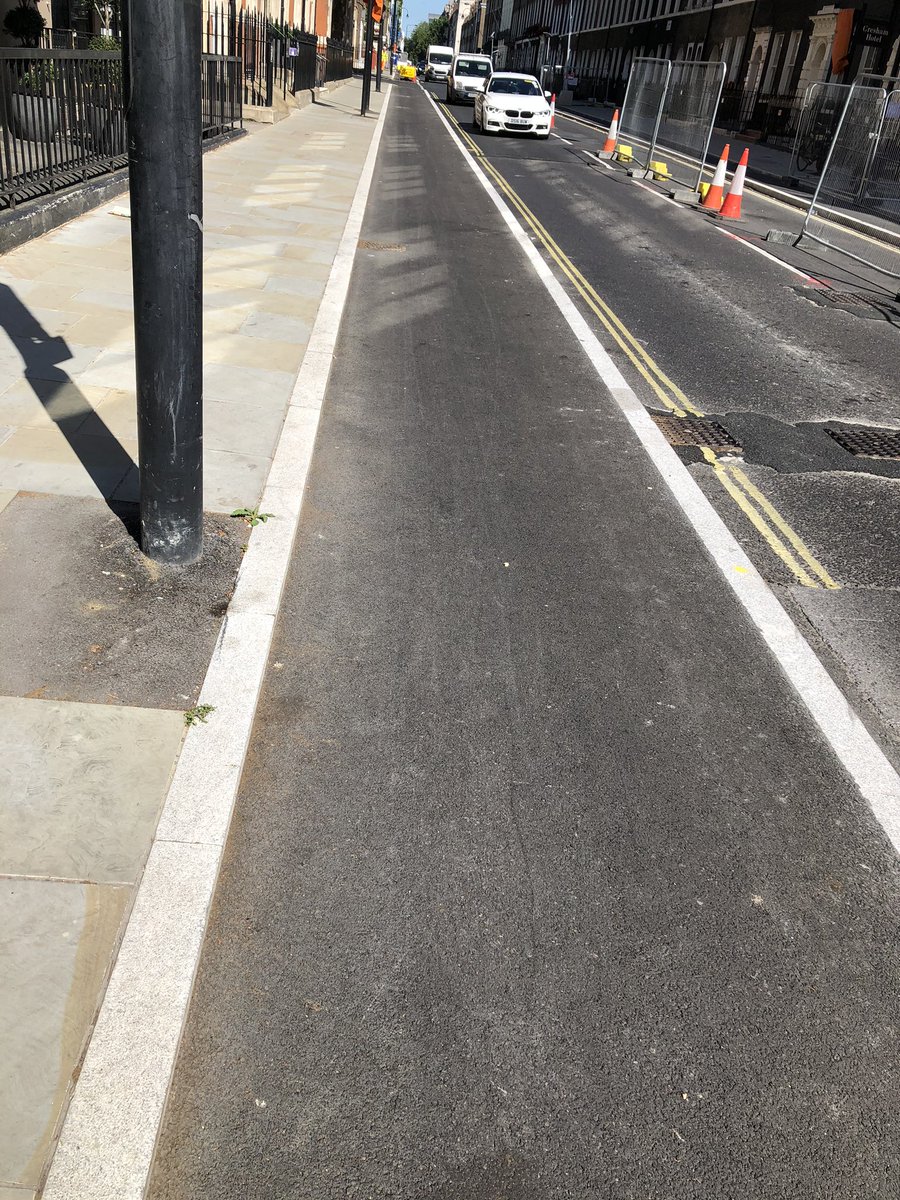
(415,11)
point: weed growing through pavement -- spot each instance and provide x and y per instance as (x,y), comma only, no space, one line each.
(198,714)
(252,516)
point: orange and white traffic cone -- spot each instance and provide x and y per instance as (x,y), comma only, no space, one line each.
(553,111)
(613,136)
(715,195)
(732,206)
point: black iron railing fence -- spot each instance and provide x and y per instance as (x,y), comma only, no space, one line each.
(277,59)
(338,60)
(62,120)
(220,94)
(771,118)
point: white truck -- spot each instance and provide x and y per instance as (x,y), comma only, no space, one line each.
(437,62)
(468,75)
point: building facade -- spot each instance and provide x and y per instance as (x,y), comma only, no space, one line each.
(771,47)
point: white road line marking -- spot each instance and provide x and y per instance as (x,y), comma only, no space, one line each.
(736,237)
(728,233)
(106,1148)
(561,139)
(854,746)
(645,187)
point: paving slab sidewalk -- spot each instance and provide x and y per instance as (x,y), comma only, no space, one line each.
(101,651)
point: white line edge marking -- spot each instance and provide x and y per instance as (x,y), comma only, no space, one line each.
(561,139)
(108,1138)
(854,746)
(645,187)
(736,237)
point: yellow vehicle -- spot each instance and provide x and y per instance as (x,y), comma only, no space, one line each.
(406,70)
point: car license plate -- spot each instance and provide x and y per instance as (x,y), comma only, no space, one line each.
(517,122)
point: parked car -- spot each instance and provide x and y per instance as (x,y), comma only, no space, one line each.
(468,75)
(406,70)
(513,103)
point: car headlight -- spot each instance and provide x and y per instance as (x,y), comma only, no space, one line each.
(490,108)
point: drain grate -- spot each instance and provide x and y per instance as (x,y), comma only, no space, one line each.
(867,443)
(696,431)
(863,300)
(364,245)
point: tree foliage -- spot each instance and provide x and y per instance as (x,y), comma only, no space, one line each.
(25,23)
(427,33)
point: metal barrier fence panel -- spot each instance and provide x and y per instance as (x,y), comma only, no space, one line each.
(823,104)
(642,109)
(860,180)
(688,115)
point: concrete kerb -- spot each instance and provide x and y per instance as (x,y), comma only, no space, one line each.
(771,190)
(108,1137)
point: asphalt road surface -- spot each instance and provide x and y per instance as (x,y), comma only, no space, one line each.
(749,345)
(541,884)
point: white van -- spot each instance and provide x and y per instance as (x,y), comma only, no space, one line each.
(468,75)
(437,62)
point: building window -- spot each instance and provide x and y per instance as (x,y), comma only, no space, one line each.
(772,66)
(790,62)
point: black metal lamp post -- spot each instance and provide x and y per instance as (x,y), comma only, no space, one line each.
(162,80)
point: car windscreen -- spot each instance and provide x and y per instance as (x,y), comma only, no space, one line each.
(440,58)
(465,67)
(515,87)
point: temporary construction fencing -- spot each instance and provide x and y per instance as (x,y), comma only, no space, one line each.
(860,181)
(671,106)
(689,113)
(642,107)
(822,106)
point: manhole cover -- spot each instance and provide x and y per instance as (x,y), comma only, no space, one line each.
(854,299)
(364,245)
(863,304)
(695,431)
(868,443)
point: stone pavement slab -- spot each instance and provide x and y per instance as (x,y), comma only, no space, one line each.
(83,784)
(56,940)
(274,207)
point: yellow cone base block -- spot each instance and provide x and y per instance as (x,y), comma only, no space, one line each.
(704,188)
(625,154)
(660,171)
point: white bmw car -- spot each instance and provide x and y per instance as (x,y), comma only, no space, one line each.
(513,103)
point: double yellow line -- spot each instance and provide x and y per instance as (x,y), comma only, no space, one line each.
(784,541)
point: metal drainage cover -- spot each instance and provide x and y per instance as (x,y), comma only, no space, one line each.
(868,443)
(364,245)
(695,431)
(853,299)
(865,304)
